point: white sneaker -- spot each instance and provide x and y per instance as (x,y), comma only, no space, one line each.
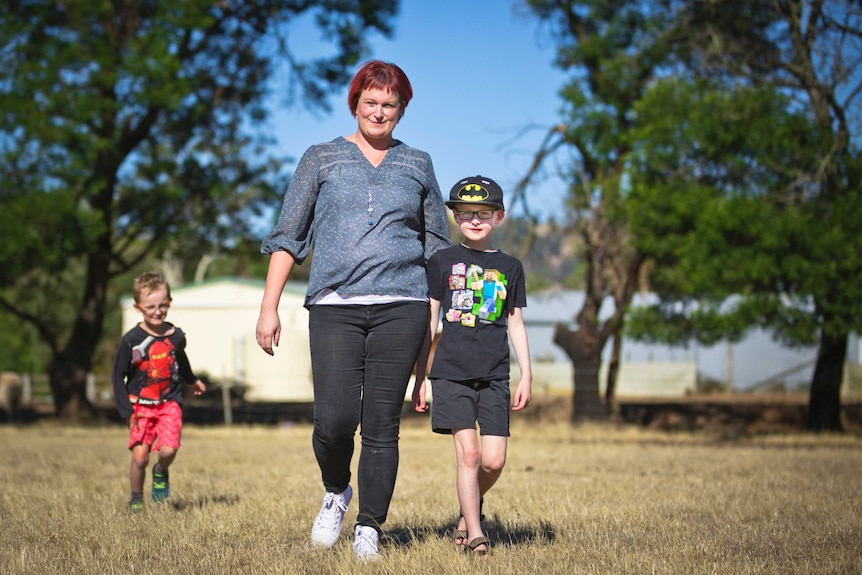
(327,525)
(365,543)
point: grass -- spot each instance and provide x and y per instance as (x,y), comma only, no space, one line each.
(591,499)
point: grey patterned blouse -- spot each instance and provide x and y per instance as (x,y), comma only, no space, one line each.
(371,229)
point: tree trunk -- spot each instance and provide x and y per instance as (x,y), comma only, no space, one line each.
(824,403)
(69,388)
(586,360)
(70,366)
(613,372)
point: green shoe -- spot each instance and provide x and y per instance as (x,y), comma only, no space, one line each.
(136,506)
(161,485)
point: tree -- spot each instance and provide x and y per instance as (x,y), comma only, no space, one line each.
(129,127)
(805,54)
(613,50)
(718,182)
(795,263)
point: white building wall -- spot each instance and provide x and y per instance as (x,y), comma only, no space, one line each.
(752,361)
(635,379)
(219,319)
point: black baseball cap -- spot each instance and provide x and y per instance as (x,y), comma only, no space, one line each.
(476,190)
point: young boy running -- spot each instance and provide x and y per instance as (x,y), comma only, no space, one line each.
(149,369)
(482,292)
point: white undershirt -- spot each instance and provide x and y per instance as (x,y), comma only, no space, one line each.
(330,297)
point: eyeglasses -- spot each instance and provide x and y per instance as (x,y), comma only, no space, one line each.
(468,216)
(151,309)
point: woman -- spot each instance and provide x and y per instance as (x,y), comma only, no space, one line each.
(370,207)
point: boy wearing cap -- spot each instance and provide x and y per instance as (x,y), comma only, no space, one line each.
(481,291)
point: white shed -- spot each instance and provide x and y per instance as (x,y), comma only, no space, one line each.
(219,319)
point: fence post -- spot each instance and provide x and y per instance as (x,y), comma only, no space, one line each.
(729,366)
(91,387)
(27,388)
(225,399)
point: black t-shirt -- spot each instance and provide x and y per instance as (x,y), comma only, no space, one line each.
(476,290)
(150,369)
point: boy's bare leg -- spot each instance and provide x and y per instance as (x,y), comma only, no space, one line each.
(493,459)
(137,471)
(166,457)
(469,460)
(138,468)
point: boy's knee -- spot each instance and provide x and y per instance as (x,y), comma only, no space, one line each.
(141,460)
(494,464)
(166,452)
(471,457)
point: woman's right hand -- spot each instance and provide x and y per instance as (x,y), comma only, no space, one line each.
(268,331)
(268,325)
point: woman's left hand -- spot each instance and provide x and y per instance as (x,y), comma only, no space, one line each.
(419,403)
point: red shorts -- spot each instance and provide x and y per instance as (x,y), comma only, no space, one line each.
(157,425)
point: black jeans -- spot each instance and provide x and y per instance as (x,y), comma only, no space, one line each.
(361,360)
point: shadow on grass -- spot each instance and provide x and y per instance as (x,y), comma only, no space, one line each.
(204,501)
(498,533)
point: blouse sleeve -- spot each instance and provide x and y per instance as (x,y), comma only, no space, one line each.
(293,231)
(436,225)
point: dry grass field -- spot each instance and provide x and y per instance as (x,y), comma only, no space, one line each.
(591,499)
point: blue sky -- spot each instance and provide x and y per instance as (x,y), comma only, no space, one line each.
(484,93)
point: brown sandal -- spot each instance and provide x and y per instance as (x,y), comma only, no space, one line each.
(459,536)
(477,542)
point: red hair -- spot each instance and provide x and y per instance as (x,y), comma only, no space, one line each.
(379,75)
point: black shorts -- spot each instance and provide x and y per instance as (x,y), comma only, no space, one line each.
(460,405)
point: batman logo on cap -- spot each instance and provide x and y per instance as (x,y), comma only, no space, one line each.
(473,193)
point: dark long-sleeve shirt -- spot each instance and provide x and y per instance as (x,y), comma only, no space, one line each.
(150,369)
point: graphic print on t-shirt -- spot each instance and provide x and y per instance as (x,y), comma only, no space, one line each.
(155,357)
(476,294)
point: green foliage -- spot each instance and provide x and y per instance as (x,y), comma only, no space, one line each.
(20,348)
(773,138)
(53,304)
(724,201)
(714,145)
